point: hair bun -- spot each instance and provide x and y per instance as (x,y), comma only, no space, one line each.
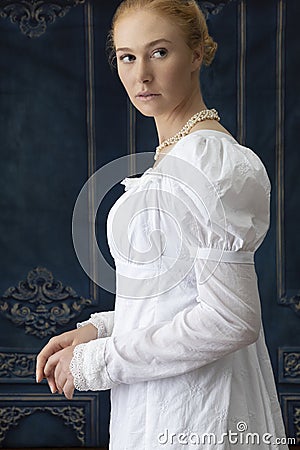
(210,48)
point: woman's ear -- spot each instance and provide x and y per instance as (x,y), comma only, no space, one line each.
(197,58)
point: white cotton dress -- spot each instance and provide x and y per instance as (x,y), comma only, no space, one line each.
(184,352)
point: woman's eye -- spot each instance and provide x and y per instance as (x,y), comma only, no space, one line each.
(161,53)
(127,58)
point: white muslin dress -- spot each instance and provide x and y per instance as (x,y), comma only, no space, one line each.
(184,352)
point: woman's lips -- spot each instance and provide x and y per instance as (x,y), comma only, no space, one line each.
(147,97)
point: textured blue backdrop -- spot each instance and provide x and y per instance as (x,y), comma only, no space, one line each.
(64,114)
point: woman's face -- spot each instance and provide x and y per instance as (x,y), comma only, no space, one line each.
(155,64)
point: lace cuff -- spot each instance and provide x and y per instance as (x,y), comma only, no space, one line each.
(103,321)
(88,367)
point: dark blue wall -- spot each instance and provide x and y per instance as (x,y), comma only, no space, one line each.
(64,114)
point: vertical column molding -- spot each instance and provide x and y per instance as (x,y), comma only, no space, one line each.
(280,251)
(241,85)
(91,134)
(283,297)
(131,143)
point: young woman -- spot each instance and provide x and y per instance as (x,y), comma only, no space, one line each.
(184,352)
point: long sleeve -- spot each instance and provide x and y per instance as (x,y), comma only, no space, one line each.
(224,319)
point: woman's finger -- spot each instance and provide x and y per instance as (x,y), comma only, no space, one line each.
(60,378)
(53,346)
(49,371)
(69,388)
(52,384)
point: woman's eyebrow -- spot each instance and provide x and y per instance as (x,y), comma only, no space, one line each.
(157,41)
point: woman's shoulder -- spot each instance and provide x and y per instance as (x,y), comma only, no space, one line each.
(220,156)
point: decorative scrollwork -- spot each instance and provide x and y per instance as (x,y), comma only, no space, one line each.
(291,364)
(10,417)
(41,303)
(213,7)
(296,420)
(33,16)
(17,365)
(72,416)
(293,302)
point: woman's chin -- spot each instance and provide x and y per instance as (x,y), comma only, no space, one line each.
(146,114)
(146,110)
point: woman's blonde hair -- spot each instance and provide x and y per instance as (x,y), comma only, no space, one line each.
(185,13)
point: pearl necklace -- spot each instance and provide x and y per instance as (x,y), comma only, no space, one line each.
(210,114)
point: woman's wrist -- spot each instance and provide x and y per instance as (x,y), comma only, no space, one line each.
(101,321)
(85,333)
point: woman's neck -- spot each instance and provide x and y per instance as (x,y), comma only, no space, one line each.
(169,124)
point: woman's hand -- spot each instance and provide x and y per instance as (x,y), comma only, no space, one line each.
(58,374)
(69,339)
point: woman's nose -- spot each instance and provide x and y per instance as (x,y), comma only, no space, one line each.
(144,74)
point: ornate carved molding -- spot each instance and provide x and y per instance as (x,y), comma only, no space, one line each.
(293,302)
(17,365)
(40,303)
(10,417)
(71,415)
(289,364)
(33,16)
(290,405)
(213,7)
(296,420)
